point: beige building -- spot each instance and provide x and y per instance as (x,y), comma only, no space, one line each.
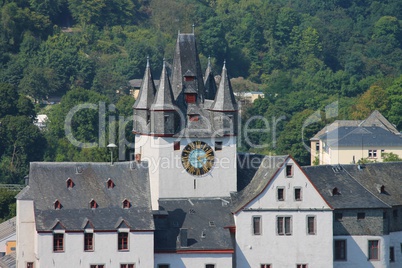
(348,141)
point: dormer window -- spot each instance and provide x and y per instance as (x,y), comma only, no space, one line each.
(110,184)
(70,183)
(193,117)
(191,97)
(126,204)
(93,204)
(57,205)
(189,78)
(335,191)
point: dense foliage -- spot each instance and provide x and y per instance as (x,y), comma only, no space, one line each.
(305,56)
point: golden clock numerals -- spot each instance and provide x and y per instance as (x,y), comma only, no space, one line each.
(197,158)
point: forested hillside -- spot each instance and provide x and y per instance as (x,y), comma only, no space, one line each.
(304,55)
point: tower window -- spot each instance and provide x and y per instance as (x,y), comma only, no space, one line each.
(58,242)
(289,171)
(280,194)
(189,78)
(88,241)
(257,225)
(166,118)
(122,241)
(176,145)
(218,146)
(193,117)
(191,97)
(298,195)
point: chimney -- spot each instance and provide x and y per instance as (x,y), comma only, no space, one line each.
(183,238)
(26,178)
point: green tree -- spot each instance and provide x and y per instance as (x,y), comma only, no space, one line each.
(390,157)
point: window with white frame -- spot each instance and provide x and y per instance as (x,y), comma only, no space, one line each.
(126,265)
(301,265)
(373,250)
(257,225)
(284,225)
(264,265)
(372,153)
(311,225)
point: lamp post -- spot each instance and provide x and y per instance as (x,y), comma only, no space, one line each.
(111,146)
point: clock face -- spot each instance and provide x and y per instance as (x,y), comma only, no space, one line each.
(197,158)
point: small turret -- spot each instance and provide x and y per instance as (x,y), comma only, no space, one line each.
(224,108)
(143,103)
(163,109)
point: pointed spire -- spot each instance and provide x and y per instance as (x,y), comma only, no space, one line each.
(147,90)
(209,82)
(224,100)
(164,96)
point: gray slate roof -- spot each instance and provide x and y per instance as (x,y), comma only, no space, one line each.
(209,82)
(353,195)
(225,99)
(206,220)
(147,90)
(266,170)
(8,261)
(48,183)
(7,228)
(164,95)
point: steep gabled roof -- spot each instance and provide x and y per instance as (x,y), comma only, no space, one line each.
(267,169)
(206,220)
(224,99)
(378,120)
(47,182)
(147,91)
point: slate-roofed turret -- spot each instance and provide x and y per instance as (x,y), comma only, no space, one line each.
(209,82)
(163,108)
(143,103)
(224,99)
(224,108)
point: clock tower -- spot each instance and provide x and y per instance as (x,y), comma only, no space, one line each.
(186,129)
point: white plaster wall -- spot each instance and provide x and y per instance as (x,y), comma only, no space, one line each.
(284,251)
(396,242)
(26,242)
(170,180)
(141,248)
(344,155)
(311,199)
(357,252)
(281,250)
(193,260)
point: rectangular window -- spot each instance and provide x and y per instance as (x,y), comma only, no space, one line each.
(88,241)
(298,194)
(97,266)
(301,265)
(317,146)
(373,250)
(340,250)
(122,243)
(311,229)
(372,153)
(193,117)
(218,146)
(289,171)
(257,225)
(190,97)
(127,266)
(176,145)
(163,265)
(361,215)
(338,216)
(284,225)
(58,242)
(280,194)
(209,265)
(265,266)
(30,265)
(391,254)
